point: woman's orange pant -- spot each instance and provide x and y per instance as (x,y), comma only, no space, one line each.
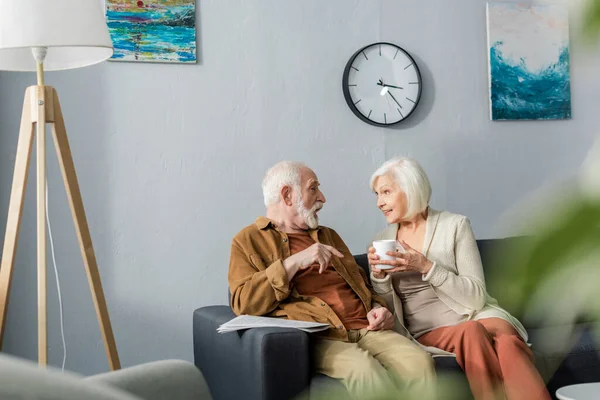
(497,362)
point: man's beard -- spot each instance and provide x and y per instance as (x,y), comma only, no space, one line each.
(309,216)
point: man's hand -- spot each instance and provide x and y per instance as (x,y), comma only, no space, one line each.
(317,253)
(380,318)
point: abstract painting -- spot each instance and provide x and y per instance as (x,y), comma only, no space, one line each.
(528,61)
(152,30)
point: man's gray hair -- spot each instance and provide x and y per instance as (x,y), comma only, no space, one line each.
(284,173)
(411,178)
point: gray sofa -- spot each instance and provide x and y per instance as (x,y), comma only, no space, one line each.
(168,380)
(275,364)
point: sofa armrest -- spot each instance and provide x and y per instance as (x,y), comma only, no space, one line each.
(258,363)
(168,379)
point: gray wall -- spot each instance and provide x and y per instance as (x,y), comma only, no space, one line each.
(170,157)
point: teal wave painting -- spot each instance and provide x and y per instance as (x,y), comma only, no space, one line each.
(529,64)
(152,30)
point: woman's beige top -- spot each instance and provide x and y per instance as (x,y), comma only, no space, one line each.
(423,310)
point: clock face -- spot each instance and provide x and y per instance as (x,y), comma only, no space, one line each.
(382,84)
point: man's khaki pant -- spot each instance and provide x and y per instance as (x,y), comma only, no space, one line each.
(377,364)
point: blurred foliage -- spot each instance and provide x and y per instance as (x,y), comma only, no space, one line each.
(447,386)
(591,19)
(567,249)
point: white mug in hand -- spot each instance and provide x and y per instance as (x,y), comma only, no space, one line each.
(382,247)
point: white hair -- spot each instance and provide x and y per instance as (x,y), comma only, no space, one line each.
(411,178)
(284,173)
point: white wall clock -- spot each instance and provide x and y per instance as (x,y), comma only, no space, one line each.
(382,84)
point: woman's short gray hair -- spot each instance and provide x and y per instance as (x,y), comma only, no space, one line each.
(411,178)
(284,173)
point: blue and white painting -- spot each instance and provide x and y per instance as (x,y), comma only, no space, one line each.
(528,54)
(152,30)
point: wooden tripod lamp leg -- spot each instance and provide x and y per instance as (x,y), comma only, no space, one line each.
(67,166)
(15,208)
(41,227)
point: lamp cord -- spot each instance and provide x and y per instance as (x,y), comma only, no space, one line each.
(60,303)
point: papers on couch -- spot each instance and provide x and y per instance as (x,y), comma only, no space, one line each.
(249,321)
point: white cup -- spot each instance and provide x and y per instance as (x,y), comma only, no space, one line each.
(382,247)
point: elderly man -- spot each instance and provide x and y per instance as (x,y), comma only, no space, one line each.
(285,265)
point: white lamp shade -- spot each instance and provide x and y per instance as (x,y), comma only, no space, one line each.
(74,32)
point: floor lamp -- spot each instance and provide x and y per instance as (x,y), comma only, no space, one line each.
(38,35)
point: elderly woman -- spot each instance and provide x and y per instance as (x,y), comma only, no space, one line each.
(436,286)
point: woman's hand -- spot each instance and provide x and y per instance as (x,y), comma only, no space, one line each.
(373,261)
(412,260)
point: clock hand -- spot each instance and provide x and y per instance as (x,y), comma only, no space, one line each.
(380,83)
(390,93)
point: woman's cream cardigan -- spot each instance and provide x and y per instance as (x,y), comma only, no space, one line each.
(456,276)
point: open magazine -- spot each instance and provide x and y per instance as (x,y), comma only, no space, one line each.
(250,321)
